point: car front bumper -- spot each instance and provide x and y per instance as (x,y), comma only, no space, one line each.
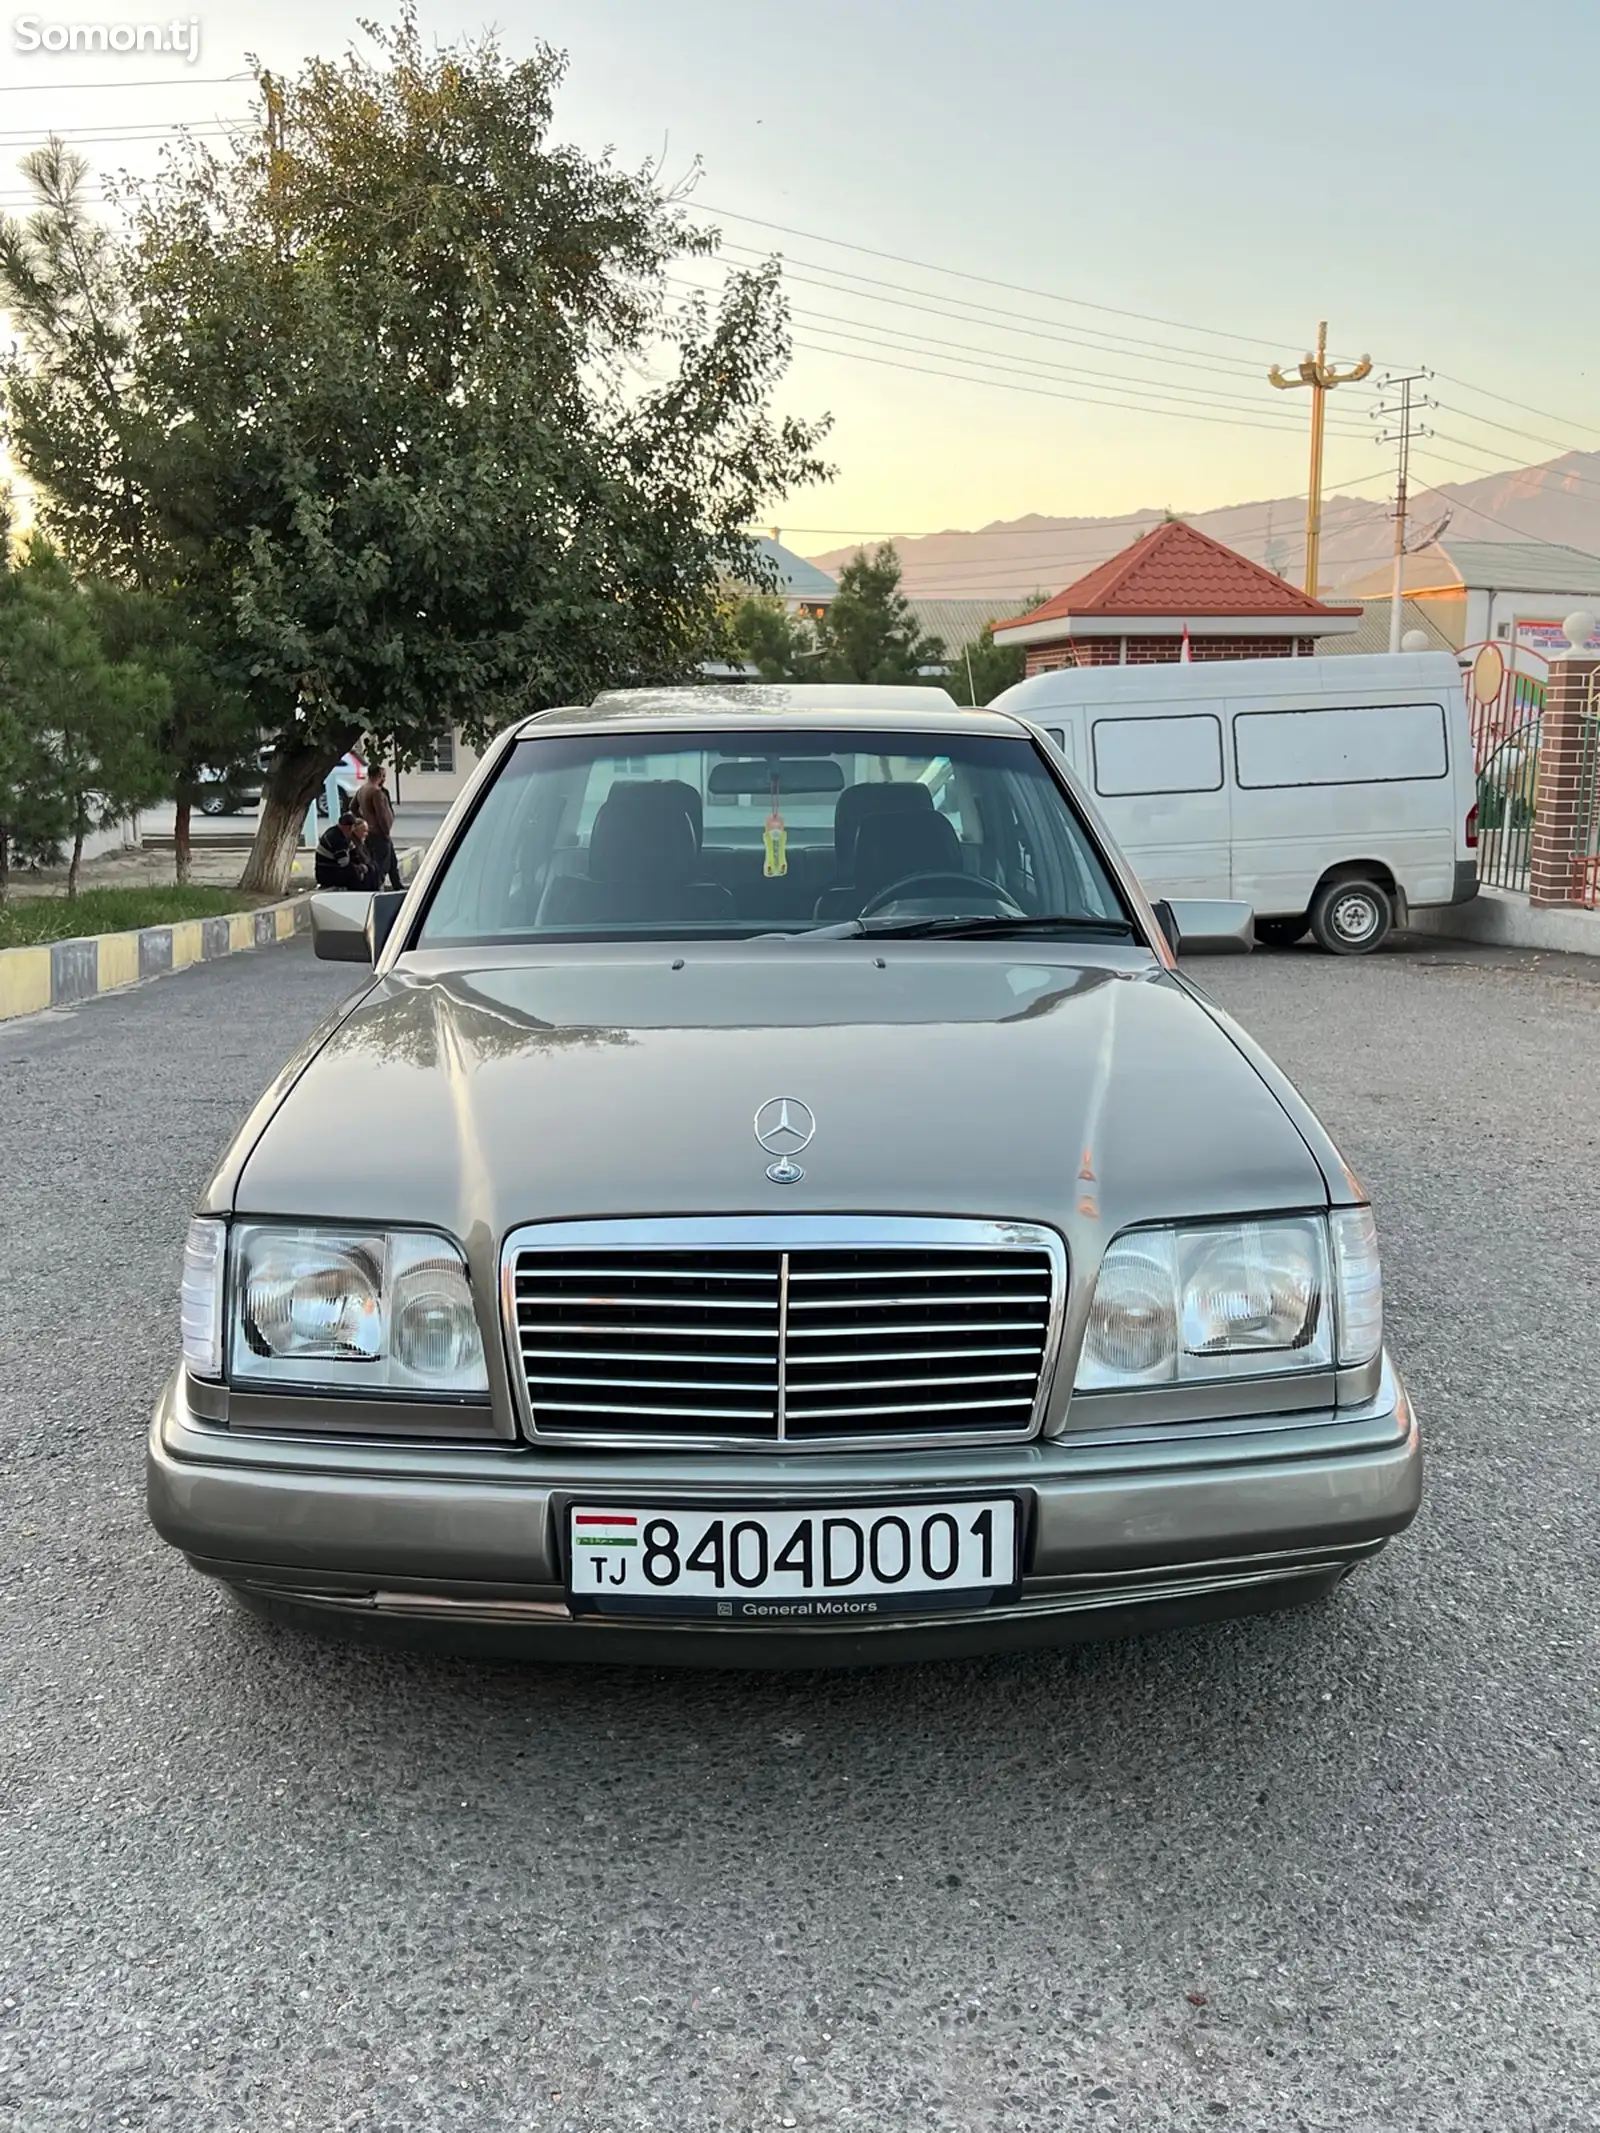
(1128,1529)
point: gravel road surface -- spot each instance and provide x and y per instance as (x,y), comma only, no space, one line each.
(1329,1870)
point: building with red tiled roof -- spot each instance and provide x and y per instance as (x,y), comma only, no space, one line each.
(1135,608)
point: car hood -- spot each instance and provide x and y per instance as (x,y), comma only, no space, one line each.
(943,1078)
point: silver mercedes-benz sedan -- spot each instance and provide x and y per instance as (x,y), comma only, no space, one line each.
(805,1215)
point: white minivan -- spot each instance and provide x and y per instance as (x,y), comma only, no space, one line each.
(1332,795)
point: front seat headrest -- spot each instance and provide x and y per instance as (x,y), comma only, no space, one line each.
(642,833)
(890,847)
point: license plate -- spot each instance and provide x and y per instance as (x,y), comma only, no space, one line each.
(838,1563)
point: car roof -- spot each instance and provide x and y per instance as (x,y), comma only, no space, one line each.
(839,705)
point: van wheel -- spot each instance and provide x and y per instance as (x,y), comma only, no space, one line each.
(1351,917)
(1281,932)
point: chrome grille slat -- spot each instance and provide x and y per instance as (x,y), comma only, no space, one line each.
(966,1377)
(893,1269)
(913,1302)
(999,1325)
(818,1330)
(654,1272)
(735,1333)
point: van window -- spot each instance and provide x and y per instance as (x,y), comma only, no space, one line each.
(1154,755)
(1373,744)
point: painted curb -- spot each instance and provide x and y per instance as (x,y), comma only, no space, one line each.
(61,973)
(65,972)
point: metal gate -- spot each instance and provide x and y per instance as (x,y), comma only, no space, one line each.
(1507,784)
(1503,694)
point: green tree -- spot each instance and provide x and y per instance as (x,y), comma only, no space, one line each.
(79,419)
(393,347)
(78,748)
(980,670)
(74,409)
(868,632)
(780,646)
(209,725)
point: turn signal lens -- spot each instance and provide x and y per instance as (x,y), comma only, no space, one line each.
(204,1253)
(1359,1279)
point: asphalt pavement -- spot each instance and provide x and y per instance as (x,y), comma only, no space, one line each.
(1328,1870)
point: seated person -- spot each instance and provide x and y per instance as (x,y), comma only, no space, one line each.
(342,861)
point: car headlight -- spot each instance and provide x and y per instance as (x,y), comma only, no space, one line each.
(373,1311)
(1234,1299)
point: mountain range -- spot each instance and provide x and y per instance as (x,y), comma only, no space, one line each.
(1558,500)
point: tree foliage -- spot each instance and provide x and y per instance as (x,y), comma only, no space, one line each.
(392,400)
(868,632)
(780,646)
(78,729)
(403,342)
(980,670)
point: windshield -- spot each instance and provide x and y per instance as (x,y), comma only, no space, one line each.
(628,835)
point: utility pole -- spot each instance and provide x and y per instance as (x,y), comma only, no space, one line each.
(1400,436)
(272,99)
(1317,372)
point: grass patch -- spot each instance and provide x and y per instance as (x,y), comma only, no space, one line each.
(29,921)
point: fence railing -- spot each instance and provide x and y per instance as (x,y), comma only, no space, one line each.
(1505,686)
(1507,786)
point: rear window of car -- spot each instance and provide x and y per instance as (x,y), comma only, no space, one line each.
(733,832)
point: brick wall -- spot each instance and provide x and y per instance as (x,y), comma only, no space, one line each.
(1160,651)
(1566,803)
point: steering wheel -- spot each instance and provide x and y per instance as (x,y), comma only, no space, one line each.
(973,887)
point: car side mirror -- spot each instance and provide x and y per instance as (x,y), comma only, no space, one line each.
(340,921)
(380,919)
(1205,926)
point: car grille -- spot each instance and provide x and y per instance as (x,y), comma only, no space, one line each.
(837,1341)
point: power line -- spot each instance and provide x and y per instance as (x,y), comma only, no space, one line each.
(1157,386)
(838,281)
(879,336)
(1460,503)
(171,81)
(988,280)
(1484,393)
(113,136)
(854,355)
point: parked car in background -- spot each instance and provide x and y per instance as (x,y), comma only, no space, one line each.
(231,792)
(1332,795)
(857,1244)
(346,775)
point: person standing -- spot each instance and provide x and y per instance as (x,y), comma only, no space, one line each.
(375,808)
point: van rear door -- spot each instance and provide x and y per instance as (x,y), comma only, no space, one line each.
(1158,777)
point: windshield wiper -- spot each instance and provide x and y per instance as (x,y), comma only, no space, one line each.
(1058,925)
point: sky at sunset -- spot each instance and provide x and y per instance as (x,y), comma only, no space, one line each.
(1041,255)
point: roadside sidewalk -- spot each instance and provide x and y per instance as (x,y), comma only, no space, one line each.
(62,973)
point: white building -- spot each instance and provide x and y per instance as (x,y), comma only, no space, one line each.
(1515,593)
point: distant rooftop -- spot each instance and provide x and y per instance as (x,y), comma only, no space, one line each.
(797,579)
(1494,566)
(958,623)
(1372,633)
(1176,570)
